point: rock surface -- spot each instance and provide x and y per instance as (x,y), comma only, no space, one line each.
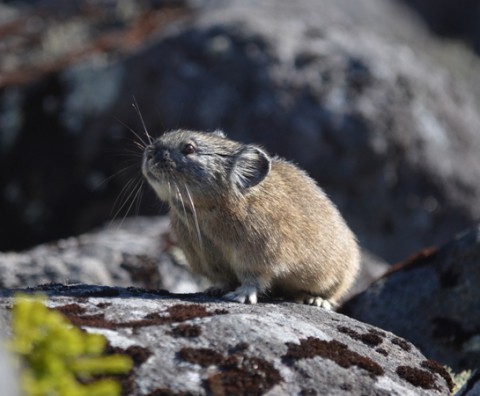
(348,89)
(137,252)
(192,345)
(433,300)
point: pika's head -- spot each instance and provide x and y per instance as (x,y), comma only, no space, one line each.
(206,166)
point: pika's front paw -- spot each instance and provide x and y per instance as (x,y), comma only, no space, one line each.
(244,294)
(314,300)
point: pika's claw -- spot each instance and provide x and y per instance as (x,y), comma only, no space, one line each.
(244,294)
(314,300)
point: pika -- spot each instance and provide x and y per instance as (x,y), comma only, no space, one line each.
(251,223)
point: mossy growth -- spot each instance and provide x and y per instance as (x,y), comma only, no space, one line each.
(459,378)
(59,359)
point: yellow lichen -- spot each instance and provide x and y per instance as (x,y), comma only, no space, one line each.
(57,358)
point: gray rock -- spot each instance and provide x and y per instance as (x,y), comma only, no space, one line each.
(136,252)
(433,300)
(194,345)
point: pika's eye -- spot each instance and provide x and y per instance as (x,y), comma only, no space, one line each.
(188,149)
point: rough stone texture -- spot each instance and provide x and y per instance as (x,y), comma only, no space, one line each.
(137,252)
(351,93)
(193,345)
(433,300)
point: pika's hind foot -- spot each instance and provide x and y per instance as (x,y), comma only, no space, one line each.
(314,300)
(245,294)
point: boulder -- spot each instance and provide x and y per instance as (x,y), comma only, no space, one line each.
(195,345)
(348,89)
(433,300)
(136,252)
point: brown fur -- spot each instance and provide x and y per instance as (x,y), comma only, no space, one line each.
(250,221)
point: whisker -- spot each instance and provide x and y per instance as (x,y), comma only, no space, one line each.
(140,198)
(139,145)
(195,218)
(129,154)
(116,174)
(135,106)
(123,192)
(143,143)
(136,182)
(138,189)
(180,196)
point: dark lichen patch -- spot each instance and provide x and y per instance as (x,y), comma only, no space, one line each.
(437,368)
(372,338)
(332,350)
(382,351)
(202,356)
(417,377)
(238,374)
(186,331)
(97,320)
(176,313)
(450,331)
(183,312)
(139,355)
(402,344)
(240,347)
(70,309)
(243,375)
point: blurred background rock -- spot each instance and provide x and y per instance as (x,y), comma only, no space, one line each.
(377,99)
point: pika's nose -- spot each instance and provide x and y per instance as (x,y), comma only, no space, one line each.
(159,154)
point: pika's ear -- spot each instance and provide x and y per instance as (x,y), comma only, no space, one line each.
(250,167)
(219,133)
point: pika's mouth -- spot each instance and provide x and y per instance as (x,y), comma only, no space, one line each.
(150,167)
